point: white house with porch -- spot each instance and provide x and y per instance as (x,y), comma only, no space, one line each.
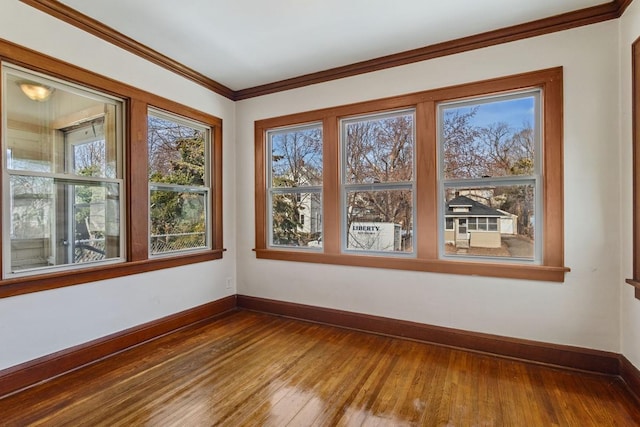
(469,223)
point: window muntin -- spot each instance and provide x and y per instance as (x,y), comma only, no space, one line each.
(62,172)
(378,185)
(490,168)
(295,168)
(179,189)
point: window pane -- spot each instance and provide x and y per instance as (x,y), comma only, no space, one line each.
(56,133)
(177,152)
(505,218)
(88,150)
(69,126)
(380,220)
(482,223)
(489,138)
(379,149)
(296,157)
(296,219)
(56,222)
(178,220)
(448,223)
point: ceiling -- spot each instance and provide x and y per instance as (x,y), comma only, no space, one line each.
(247,43)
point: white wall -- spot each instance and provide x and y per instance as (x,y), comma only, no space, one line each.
(629,306)
(583,311)
(37,324)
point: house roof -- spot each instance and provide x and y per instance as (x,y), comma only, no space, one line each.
(475,208)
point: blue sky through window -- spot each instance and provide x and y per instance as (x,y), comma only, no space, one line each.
(515,112)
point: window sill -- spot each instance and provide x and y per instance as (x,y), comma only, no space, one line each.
(635,284)
(42,282)
(513,271)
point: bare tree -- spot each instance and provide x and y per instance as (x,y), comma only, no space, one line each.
(296,161)
(380,151)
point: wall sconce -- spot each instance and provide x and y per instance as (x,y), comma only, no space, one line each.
(36,91)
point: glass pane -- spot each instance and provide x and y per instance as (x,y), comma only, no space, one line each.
(296,219)
(57,222)
(379,149)
(489,139)
(50,134)
(449,224)
(380,220)
(88,150)
(178,220)
(296,157)
(504,217)
(177,152)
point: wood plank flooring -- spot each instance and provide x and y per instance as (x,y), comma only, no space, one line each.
(251,369)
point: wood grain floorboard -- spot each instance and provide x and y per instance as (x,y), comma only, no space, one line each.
(252,369)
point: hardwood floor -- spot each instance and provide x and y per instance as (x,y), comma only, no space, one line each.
(254,369)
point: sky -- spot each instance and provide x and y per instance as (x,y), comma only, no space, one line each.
(514,112)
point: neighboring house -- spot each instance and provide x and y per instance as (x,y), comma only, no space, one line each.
(469,223)
(310,214)
(508,222)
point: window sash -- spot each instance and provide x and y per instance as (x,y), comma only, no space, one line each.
(112,226)
(535,180)
(381,242)
(313,192)
(351,185)
(184,241)
(188,123)
(345,122)
(53,166)
(176,246)
(272,133)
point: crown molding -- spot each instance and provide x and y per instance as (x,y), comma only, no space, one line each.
(98,29)
(565,21)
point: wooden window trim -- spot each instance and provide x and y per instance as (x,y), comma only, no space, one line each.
(635,135)
(136,180)
(552,266)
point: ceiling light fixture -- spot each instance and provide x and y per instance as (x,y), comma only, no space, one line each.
(36,91)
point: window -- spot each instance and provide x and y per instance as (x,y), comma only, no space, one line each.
(76,183)
(378,182)
(178,183)
(63,175)
(295,186)
(635,76)
(448,223)
(490,171)
(464,180)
